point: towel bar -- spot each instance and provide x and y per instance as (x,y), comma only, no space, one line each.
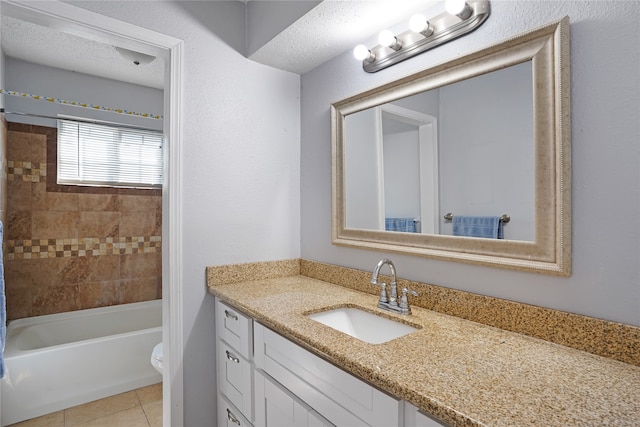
(503,219)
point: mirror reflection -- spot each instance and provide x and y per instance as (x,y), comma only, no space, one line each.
(428,164)
(465,148)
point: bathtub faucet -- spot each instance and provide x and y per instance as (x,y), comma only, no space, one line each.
(390,302)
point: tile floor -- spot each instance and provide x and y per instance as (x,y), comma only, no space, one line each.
(137,408)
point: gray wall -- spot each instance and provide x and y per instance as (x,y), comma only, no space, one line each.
(605,73)
(36,79)
(241,168)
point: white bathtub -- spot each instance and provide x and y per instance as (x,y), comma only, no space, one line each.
(61,360)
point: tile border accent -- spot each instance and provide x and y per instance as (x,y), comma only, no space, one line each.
(26,171)
(605,338)
(80,247)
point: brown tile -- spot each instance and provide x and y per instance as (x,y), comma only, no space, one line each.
(18,225)
(58,299)
(44,200)
(139,223)
(139,265)
(98,202)
(153,411)
(103,267)
(19,273)
(55,224)
(19,195)
(19,146)
(136,290)
(18,303)
(99,224)
(22,146)
(140,203)
(56,272)
(150,393)
(99,409)
(55,419)
(99,294)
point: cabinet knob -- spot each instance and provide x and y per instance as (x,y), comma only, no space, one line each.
(232,357)
(232,418)
(230,315)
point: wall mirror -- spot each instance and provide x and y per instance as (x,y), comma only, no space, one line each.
(487,134)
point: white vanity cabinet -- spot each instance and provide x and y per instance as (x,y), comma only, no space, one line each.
(234,345)
(265,380)
(229,415)
(341,398)
(414,417)
(278,407)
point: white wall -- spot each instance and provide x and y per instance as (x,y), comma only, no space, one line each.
(241,171)
(37,79)
(605,73)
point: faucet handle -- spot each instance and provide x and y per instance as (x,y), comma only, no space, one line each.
(404,303)
(383,293)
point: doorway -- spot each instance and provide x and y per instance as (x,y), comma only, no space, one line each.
(102,29)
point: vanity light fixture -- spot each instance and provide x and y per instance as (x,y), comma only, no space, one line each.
(461,17)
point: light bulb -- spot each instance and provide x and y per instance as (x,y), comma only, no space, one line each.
(454,7)
(460,8)
(418,23)
(361,52)
(386,38)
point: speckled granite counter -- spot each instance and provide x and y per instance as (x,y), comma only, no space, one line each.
(465,373)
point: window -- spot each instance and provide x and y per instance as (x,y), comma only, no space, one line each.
(102,155)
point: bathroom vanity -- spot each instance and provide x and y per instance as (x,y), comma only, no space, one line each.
(277,366)
(281,384)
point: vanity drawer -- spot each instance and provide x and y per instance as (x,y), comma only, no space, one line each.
(341,398)
(230,416)
(235,378)
(235,328)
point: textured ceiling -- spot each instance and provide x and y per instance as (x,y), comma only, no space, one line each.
(330,29)
(41,45)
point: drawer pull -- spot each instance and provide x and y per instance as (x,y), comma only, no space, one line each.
(230,315)
(231,417)
(232,357)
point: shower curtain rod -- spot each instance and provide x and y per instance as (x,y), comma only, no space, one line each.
(78,119)
(77,104)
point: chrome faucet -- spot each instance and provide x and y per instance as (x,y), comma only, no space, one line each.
(390,302)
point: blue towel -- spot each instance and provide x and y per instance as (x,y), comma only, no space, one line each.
(407,225)
(489,227)
(3,308)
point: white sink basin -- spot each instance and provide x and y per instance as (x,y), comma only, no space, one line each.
(363,325)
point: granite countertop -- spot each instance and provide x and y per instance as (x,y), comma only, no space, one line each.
(462,372)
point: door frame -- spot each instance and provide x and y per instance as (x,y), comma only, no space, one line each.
(81,22)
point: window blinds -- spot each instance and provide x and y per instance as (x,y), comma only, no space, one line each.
(101,155)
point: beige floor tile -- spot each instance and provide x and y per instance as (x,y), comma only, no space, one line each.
(153,411)
(133,417)
(79,415)
(150,393)
(55,419)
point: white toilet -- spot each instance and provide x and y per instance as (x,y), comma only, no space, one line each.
(156,357)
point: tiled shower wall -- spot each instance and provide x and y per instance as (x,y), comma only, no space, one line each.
(70,248)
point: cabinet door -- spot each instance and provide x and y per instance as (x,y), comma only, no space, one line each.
(230,416)
(235,378)
(235,328)
(277,407)
(340,397)
(416,418)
